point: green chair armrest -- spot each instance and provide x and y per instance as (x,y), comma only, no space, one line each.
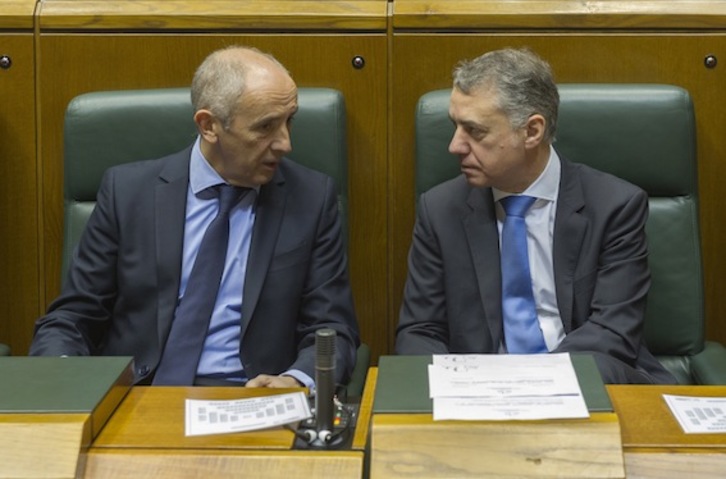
(709,366)
(354,389)
(4,350)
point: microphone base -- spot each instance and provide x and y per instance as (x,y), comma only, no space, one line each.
(338,441)
(341,436)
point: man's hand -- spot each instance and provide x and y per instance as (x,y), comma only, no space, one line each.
(267,381)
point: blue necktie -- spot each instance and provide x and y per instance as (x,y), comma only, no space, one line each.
(178,365)
(521,326)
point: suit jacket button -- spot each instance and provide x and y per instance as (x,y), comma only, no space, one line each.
(143,370)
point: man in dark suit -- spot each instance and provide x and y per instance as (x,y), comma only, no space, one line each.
(585,235)
(285,272)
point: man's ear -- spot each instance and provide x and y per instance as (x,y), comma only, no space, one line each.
(207,125)
(534,131)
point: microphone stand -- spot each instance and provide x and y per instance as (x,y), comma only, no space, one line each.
(323,432)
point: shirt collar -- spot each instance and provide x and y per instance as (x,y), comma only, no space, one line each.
(546,186)
(201,173)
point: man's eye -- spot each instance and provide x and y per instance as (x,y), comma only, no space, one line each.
(266,127)
(474,132)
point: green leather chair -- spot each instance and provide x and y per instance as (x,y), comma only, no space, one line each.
(108,128)
(646,135)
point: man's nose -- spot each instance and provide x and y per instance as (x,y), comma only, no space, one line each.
(457,145)
(283,143)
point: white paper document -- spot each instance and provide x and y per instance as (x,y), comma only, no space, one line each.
(219,417)
(502,375)
(509,408)
(698,415)
(505,387)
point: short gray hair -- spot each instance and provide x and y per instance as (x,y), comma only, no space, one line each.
(219,82)
(523,82)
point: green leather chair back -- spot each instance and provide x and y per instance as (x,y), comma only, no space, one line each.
(104,129)
(644,134)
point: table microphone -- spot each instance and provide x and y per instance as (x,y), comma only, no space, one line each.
(324,383)
(329,427)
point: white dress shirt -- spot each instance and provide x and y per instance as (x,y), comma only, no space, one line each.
(540,221)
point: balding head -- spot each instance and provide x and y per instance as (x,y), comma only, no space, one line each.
(223,77)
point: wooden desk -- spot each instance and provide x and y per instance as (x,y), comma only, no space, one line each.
(145,438)
(42,446)
(52,408)
(654,445)
(412,444)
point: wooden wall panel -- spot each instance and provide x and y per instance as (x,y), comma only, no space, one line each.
(70,64)
(664,57)
(19,253)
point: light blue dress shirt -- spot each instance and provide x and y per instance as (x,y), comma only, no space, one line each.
(221,352)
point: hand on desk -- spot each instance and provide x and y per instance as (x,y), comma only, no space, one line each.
(267,381)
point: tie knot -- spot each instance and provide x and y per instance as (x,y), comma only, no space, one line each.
(228,196)
(517,205)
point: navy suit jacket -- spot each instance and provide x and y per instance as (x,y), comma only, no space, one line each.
(452,300)
(122,287)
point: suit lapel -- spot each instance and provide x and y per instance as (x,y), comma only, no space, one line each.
(268,217)
(169,223)
(569,231)
(483,237)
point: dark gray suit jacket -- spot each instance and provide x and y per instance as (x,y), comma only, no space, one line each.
(122,287)
(452,299)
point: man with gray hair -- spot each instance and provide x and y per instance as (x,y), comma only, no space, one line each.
(215,265)
(526,252)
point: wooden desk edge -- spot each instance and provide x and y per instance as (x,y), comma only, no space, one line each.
(363,425)
(338,15)
(557,14)
(649,425)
